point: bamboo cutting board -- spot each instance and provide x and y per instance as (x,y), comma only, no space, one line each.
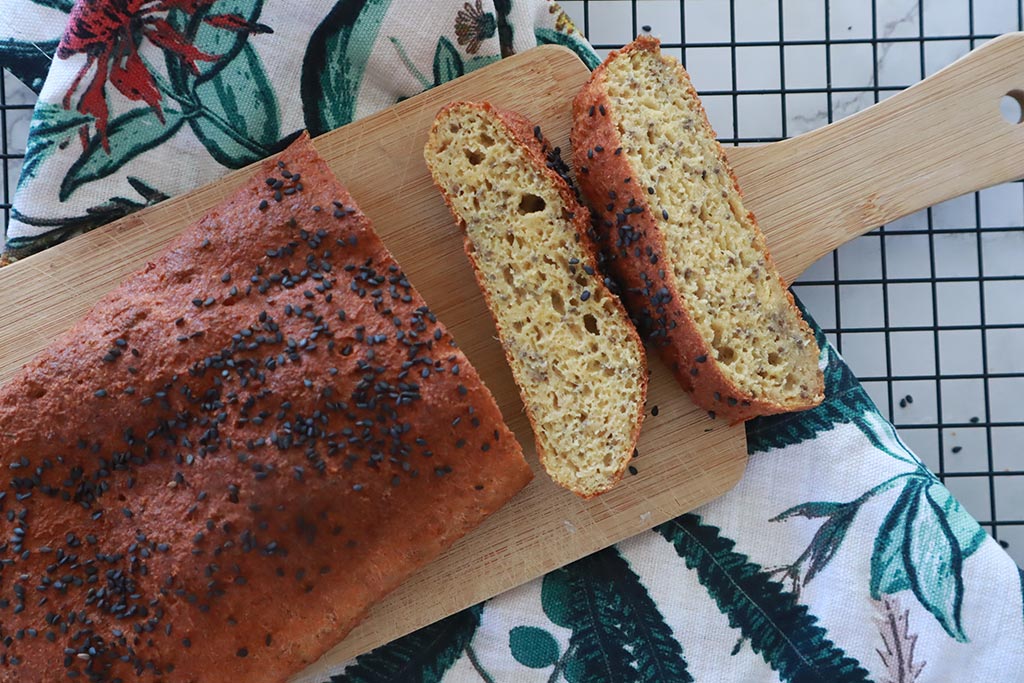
(811,194)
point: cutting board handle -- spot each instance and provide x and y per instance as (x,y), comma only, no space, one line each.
(939,139)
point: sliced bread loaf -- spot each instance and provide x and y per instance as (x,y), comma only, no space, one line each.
(576,357)
(696,272)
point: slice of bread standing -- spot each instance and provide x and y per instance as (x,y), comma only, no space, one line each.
(577,359)
(695,270)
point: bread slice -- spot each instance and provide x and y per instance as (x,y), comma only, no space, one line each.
(577,359)
(697,275)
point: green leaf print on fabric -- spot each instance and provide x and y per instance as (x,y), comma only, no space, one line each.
(229,100)
(447,62)
(921,545)
(533,647)
(777,626)
(29,62)
(618,633)
(239,121)
(917,548)
(1020,573)
(934,564)
(335,59)
(888,570)
(547,36)
(66,227)
(505,31)
(62,5)
(210,36)
(53,127)
(420,657)
(129,135)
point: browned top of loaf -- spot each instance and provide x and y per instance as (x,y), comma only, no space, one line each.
(216,472)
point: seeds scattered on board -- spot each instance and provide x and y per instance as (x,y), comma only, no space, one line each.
(906,400)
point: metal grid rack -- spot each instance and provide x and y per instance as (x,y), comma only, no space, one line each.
(929,311)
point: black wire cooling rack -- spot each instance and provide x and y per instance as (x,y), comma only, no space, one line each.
(944,379)
(927,311)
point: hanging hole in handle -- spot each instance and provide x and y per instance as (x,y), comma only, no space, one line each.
(1011,106)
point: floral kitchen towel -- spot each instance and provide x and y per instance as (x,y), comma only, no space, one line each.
(146,99)
(838,557)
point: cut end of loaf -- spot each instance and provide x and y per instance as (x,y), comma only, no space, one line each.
(763,353)
(577,360)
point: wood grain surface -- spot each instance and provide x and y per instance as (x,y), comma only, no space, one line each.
(811,194)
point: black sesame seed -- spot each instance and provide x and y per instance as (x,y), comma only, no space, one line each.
(975,420)
(585,295)
(242,652)
(100,393)
(601,109)
(654,411)
(957,449)
(634,471)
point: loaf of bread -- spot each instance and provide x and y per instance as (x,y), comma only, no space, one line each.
(576,357)
(696,273)
(213,475)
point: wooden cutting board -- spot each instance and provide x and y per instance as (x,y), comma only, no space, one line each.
(811,193)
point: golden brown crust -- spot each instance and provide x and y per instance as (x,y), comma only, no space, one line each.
(650,292)
(221,469)
(537,148)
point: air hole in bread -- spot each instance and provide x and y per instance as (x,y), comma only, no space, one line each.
(485,139)
(590,324)
(531,203)
(726,354)
(774,358)
(558,303)
(474,157)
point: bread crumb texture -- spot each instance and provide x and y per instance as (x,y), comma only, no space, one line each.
(573,352)
(716,252)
